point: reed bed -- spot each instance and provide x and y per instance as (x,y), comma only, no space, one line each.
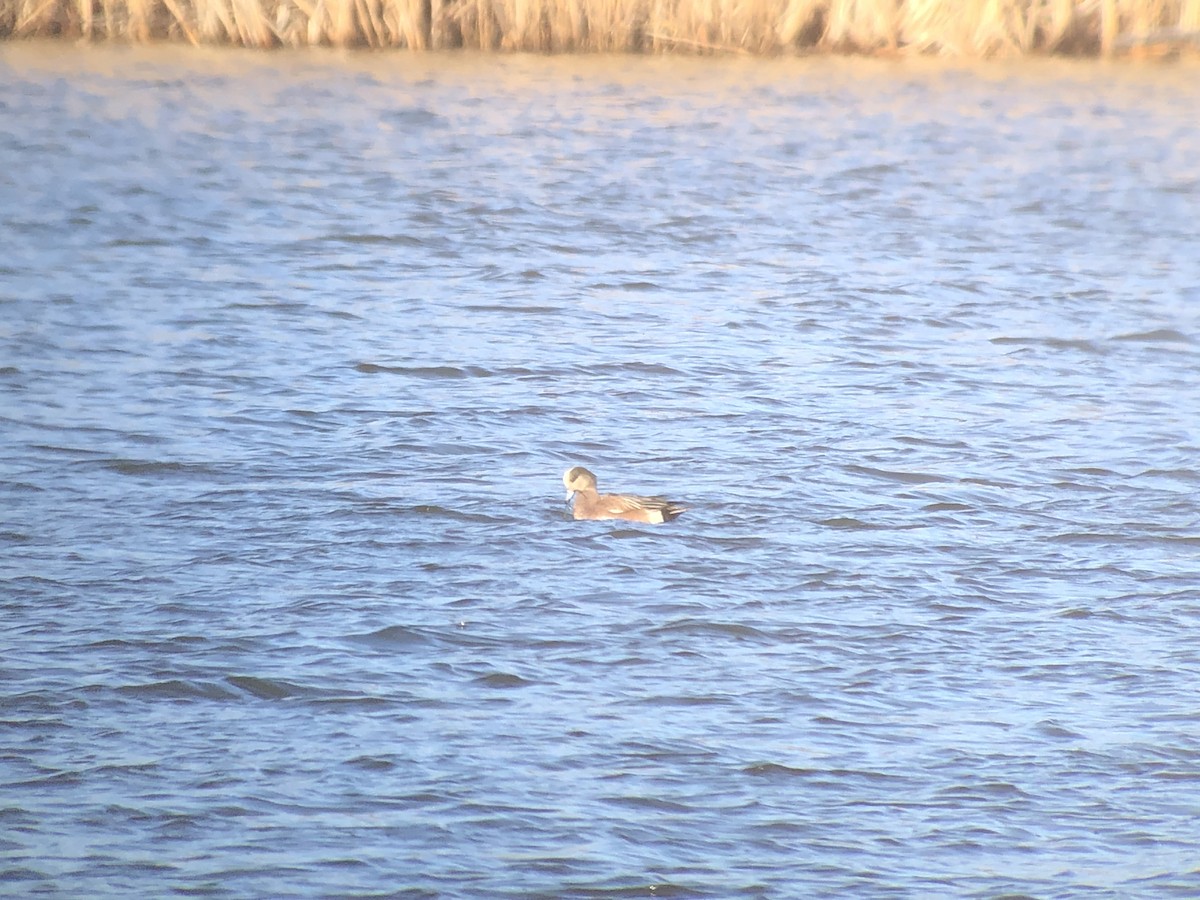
(965,28)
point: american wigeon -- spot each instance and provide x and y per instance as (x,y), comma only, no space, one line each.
(581,484)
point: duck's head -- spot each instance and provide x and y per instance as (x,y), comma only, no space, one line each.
(578,479)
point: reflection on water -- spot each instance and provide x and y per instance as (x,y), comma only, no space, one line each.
(294,349)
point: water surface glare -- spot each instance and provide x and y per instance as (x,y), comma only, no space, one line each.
(295,348)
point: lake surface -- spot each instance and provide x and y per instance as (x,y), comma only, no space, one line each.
(295,348)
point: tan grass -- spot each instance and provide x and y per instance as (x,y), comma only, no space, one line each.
(961,28)
(85,10)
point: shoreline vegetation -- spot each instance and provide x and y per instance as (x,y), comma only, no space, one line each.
(953,28)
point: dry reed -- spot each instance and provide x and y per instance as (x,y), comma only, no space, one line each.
(966,28)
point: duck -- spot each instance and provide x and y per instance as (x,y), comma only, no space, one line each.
(589,504)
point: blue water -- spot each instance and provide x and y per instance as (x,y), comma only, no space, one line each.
(295,348)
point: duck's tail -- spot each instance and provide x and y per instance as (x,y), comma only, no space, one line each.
(673,511)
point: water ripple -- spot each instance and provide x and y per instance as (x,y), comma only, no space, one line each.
(296,349)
